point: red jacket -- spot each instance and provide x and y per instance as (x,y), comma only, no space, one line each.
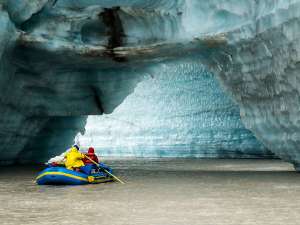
(91,154)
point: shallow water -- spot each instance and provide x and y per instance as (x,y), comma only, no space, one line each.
(162,192)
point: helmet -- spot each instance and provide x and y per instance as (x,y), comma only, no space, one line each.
(91,150)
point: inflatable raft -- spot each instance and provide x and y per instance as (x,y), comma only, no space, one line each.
(63,176)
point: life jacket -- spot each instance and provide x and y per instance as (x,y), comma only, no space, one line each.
(91,154)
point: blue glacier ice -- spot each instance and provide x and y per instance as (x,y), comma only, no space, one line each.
(179,110)
(62,60)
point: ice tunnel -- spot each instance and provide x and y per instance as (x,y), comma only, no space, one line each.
(62,60)
(178,110)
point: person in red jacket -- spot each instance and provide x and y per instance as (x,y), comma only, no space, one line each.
(91,154)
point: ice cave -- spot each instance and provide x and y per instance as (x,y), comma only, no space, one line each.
(155,78)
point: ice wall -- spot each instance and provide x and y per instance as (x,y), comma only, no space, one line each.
(58,55)
(260,67)
(179,110)
(45,85)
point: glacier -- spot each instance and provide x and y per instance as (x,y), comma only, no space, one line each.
(188,116)
(62,60)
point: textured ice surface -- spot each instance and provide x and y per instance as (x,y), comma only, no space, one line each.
(179,110)
(260,67)
(72,58)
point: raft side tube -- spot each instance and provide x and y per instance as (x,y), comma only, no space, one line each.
(63,176)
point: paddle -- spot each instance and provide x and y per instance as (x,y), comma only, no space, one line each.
(116,178)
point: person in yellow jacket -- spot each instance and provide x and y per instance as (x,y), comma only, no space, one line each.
(74,159)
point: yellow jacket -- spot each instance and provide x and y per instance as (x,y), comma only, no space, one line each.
(74,159)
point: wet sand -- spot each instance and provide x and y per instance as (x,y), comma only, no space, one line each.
(160,192)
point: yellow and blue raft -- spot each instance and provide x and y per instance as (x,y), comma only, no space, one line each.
(63,176)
